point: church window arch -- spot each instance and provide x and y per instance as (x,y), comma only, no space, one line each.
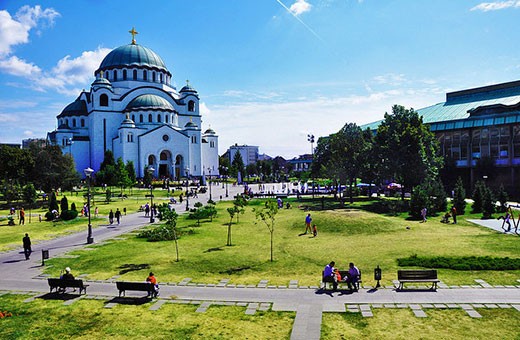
(194,139)
(115,75)
(151,160)
(161,77)
(141,118)
(107,75)
(191,106)
(73,122)
(67,122)
(133,118)
(130,137)
(103,100)
(159,118)
(135,74)
(145,75)
(153,77)
(164,156)
(124,74)
(82,122)
(166,118)
(150,119)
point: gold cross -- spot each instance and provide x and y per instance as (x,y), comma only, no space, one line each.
(133,32)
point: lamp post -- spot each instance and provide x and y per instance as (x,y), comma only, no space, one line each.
(310,139)
(225,178)
(151,171)
(88,173)
(209,183)
(187,181)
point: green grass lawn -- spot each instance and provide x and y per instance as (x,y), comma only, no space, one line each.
(345,235)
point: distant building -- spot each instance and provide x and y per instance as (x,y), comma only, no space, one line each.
(479,123)
(301,163)
(249,153)
(38,141)
(133,110)
(264,157)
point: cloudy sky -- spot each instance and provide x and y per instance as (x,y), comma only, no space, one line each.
(269,72)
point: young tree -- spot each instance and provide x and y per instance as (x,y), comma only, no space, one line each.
(121,175)
(488,203)
(478,194)
(459,197)
(107,170)
(268,216)
(237,166)
(29,194)
(64,204)
(418,201)
(53,204)
(502,197)
(130,169)
(170,216)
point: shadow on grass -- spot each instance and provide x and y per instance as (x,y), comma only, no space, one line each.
(134,301)
(234,270)
(213,249)
(130,267)
(59,296)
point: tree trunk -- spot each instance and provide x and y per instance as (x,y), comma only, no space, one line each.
(229,234)
(176,244)
(272,246)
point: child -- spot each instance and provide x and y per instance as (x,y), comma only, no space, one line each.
(314,230)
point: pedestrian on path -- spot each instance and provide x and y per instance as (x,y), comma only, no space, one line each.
(22,216)
(454,214)
(111,216)
(308,221)
(314,230)
(118,216)
(27,246)
(424,211)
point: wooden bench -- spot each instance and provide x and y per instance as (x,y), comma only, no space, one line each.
(59,285)
(405,276)
(343,273)
(123,286)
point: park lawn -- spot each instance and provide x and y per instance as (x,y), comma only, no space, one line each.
(11,236)
(87,319)
(439,324)
(345,235)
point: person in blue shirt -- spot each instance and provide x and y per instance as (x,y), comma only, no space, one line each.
(329,275)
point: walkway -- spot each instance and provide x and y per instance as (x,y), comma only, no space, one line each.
(308,302)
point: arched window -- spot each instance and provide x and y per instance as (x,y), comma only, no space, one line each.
(194,139)
(135,74)
(150,118)
(82,122)
(107,75)
(166,119)
(130,138)
(67,122)
(153,77)
(151,159)
(115,75)
(124,74)
(73,122)
(103,100)
(145,75)
(161,77)
(191,106)
(133,118)
(164,156)
(140,118)
(159,118)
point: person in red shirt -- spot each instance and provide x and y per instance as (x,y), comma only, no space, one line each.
(153,280)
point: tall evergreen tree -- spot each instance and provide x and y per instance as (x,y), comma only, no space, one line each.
(107,170)
(459,198)
(237,165)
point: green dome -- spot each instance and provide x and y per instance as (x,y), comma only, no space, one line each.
(132,55)
(149,102)
(76,108)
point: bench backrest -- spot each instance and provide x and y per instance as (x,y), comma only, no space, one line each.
(144,286)
(417,274)
(56,282)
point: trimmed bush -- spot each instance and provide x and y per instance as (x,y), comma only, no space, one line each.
(461,262)
(68,215)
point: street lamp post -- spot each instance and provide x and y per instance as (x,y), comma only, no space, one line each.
(88,173)
(187,181)
(225,178)
(310,139)
(151,171)
(209,183)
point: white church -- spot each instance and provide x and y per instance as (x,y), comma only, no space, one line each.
(133,110)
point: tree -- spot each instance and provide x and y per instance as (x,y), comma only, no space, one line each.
(64,204)
(268,216)
(11,191)
(170,216)
(53,204)
(418,201)
(29,194)
(404,144)
(478,194)
(107,170)
(237,166)
(502,197)
(15,164)
(121,175)
(459,197)
(130,170)
(488,203)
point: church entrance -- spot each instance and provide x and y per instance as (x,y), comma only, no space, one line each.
(178,167)
(165,164)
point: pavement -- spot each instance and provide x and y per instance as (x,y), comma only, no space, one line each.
(309,302)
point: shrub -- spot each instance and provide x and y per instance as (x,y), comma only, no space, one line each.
(68,215)
(49,216)
(64,204)
(160,233)
(459,199)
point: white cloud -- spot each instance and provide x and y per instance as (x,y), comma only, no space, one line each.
(390,79)
(6,117)
(300,7)
(15,31)
(496,5)
(28,133)
(18,67)
(78,70)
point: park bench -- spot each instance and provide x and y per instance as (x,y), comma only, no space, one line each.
(60,285)
(123,286)
(405,276)
(343,273)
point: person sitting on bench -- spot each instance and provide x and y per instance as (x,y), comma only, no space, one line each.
(329,275)
(153,280)
(352,277)
(446,218)
(67,275)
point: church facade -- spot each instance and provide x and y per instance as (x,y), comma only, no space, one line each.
(133,110)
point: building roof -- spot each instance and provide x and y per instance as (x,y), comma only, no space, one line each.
(483,106)
(76,108)
(149,102)
(132,55)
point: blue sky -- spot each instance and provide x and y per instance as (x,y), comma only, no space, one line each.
(269,72)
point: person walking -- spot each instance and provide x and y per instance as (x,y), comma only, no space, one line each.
(423,214)
(454,214)
(314,230)
(118,215)
(27,246)
(22,216)
(308,221)
(111,216)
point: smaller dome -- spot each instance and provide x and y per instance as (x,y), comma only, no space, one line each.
(188,88)
(76,108)
(191,125)
(64,126)
(149,102)
(209,131)
(127,123)
(102,82)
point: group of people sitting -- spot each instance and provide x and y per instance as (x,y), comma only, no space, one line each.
(333,275)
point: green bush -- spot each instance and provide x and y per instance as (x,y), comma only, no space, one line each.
(461,262)
(49,216)
(160,233)
(68,215)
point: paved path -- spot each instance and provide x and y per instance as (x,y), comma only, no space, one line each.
(309,303)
